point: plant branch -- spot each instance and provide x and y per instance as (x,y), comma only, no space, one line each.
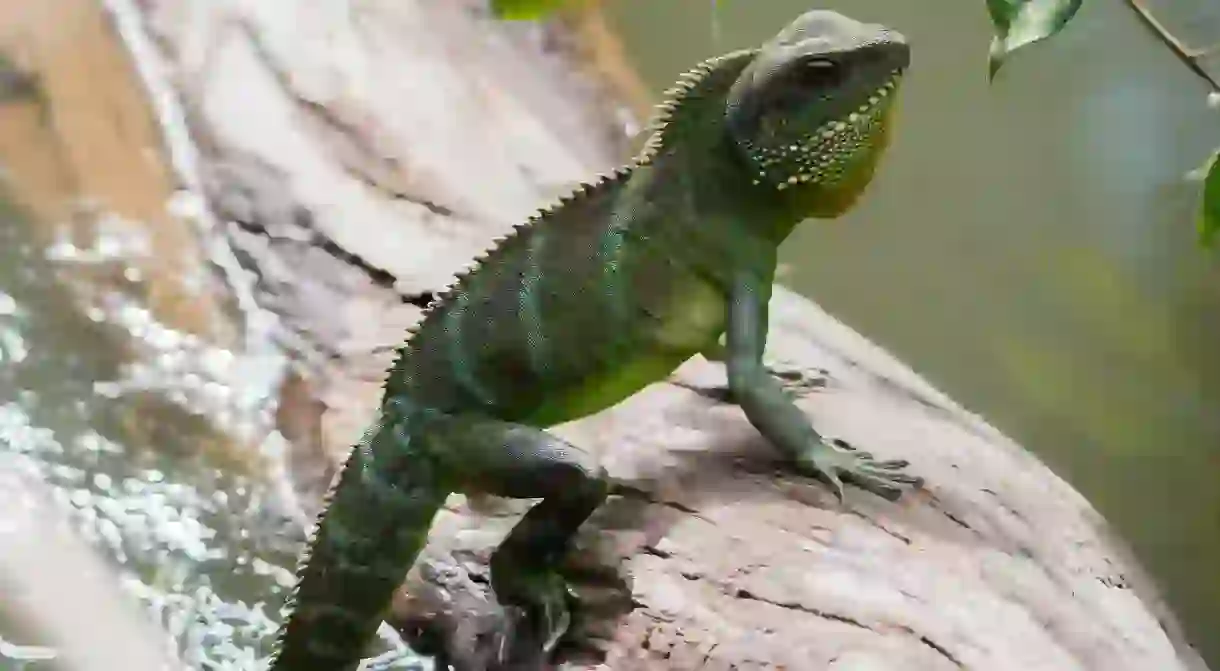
(1189,57)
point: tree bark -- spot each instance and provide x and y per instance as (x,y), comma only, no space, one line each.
(360,153)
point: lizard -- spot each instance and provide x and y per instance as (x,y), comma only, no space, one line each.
(588,302)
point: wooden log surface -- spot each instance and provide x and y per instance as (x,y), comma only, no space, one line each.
(358,154)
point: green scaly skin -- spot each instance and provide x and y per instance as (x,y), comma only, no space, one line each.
(589,302)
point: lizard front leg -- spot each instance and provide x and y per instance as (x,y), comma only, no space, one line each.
(770,409)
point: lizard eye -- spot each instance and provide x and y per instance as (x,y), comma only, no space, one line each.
(818,73)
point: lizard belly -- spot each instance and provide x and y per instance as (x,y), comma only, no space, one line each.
(683,323)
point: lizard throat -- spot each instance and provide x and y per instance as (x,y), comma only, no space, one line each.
(828,168)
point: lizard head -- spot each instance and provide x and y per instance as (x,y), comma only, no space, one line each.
(810,113)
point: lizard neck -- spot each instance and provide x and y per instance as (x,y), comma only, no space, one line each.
(700,205)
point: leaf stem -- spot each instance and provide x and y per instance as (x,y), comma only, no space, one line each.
(1189,57)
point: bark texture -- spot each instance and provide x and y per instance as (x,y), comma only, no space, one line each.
(357,154)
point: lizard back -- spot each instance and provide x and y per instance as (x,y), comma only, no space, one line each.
(590,300)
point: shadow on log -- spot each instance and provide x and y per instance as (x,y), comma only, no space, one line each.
(361,153)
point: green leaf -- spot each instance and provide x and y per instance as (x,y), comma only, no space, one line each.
(524,10)
(1020,23)
(1209,210)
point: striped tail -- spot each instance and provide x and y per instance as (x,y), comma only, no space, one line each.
(372,527)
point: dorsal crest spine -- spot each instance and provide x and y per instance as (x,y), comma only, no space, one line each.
(712,76)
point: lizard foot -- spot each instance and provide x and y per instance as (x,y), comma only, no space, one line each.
(540,600)
(835,462)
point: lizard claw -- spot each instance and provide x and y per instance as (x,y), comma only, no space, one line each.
(542,615)
(835,462)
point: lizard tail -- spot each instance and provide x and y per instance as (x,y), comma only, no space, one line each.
(373,525)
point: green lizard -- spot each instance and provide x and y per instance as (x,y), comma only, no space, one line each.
(587,303)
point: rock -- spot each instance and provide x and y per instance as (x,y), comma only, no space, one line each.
(42,560)
(361,153)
